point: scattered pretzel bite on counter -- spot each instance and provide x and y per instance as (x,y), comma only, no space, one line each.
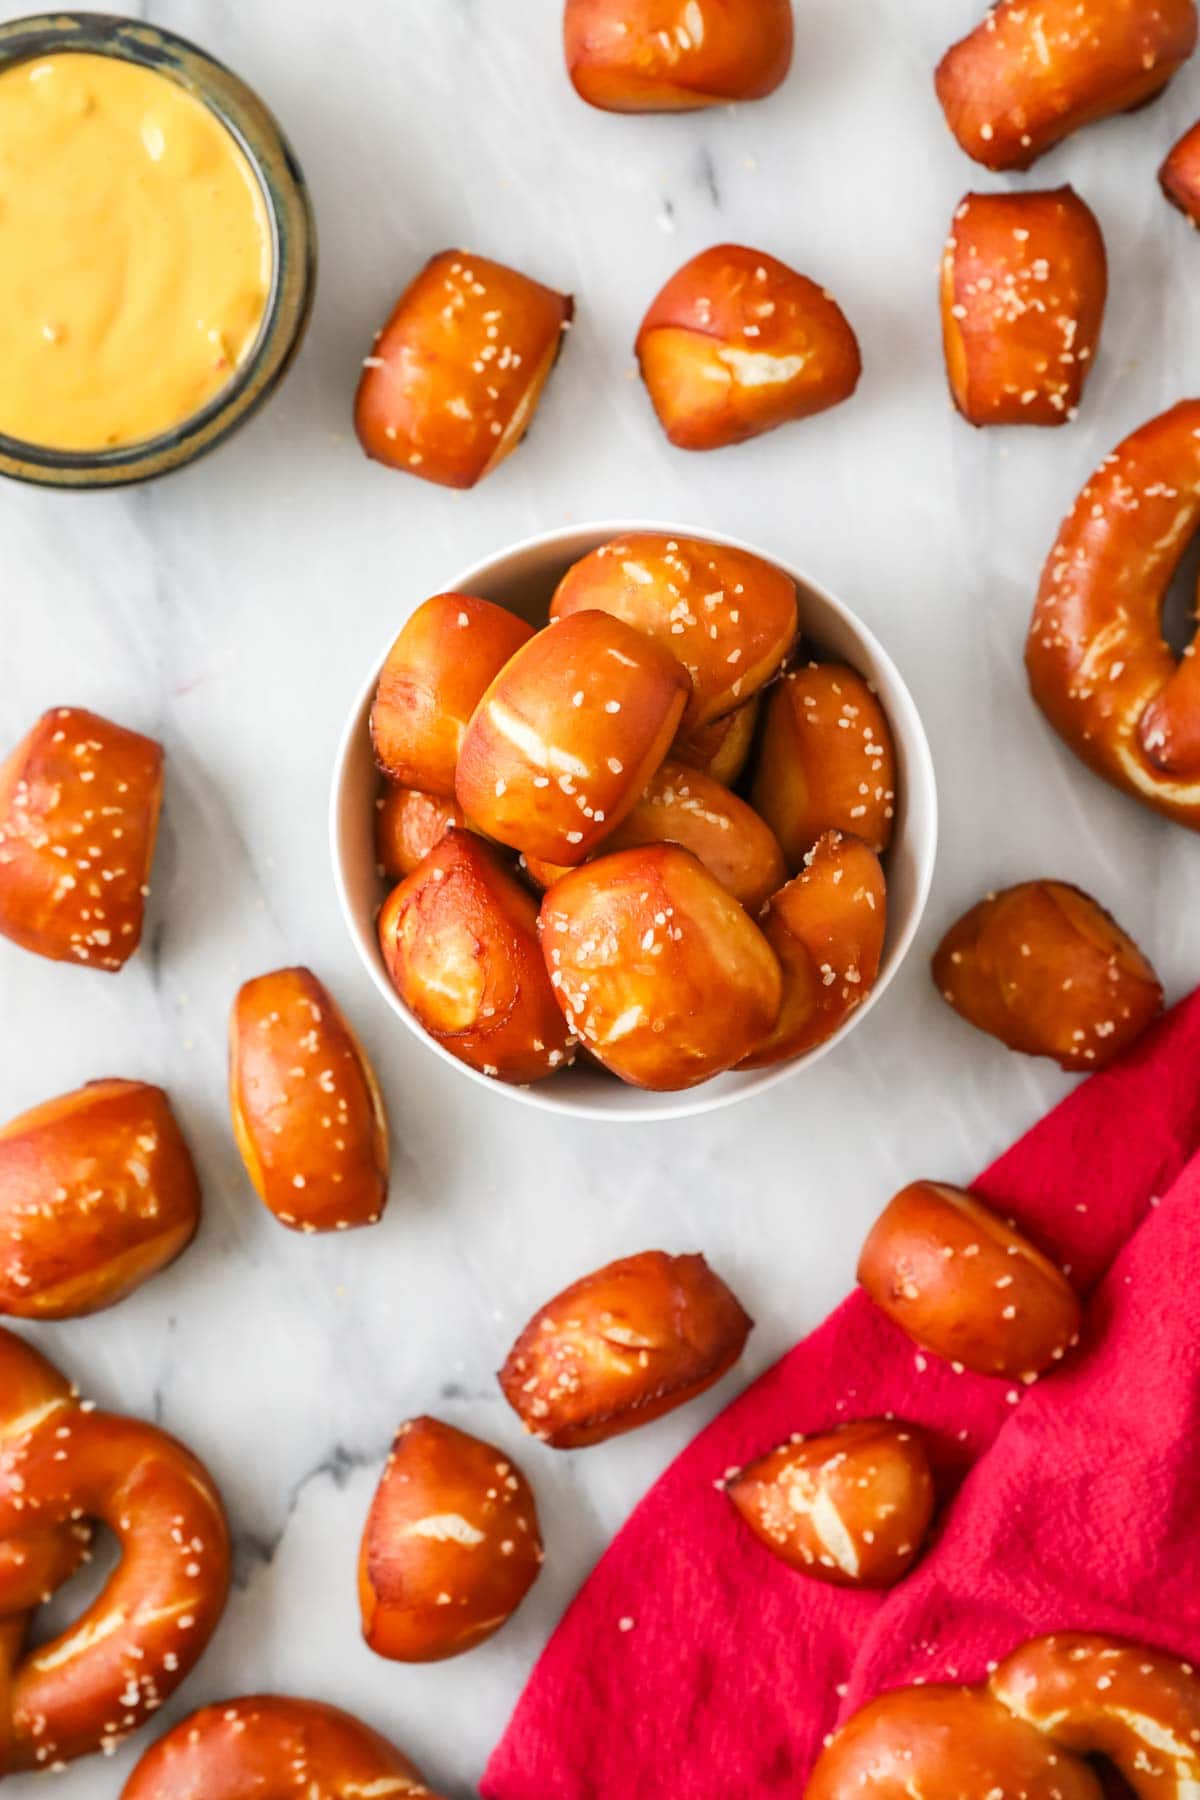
(1024,281)
(79,804)
(98,1192)
(568,735)
(1032,73)
(460,941)
(451,1545)
(266,1747)
(408,825)
(722,747)
(667,56)
(1100,1696)
(965,1284)
(307,1113)
(660,973)
(455,375)
(737,344)
(621,1347)
(726,615)
(63,1465)
(1179,176)
(1098,664)
(827,928)
(826,761)
(850,1506)
(1046,970)
(945,1743)
(435,674)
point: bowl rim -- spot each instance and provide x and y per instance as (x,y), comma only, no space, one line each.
(688,1102)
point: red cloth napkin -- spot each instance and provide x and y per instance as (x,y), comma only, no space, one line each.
(694,1666)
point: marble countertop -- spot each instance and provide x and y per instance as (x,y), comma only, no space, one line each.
(233,609)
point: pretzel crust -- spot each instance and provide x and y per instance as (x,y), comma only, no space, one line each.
(664,56)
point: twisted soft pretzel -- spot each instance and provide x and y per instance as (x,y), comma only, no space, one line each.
(62,1464)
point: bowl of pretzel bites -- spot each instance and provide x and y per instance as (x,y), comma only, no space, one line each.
(630,822)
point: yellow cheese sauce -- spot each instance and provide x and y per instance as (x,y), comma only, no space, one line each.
(135,253)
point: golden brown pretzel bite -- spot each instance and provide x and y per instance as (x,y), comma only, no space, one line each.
(1033,71)
(451,1545)
(1024,281)
(307,1113)
(1046,970)
(676,55)
(1179,176)
(60,1464)
(408,825)
(961,1282)
(827,928)
(826,761)
(455,376)
(621,1347)
(567,736)
(459,938)
(728,616)
(98,1192)
(850,1506)
(737,343)
(265,1747)
(434,677)
(1098,665)
(1099,1696)
(722,747)
(658,970)
(945,1743)
(79,803)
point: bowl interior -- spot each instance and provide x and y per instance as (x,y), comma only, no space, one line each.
(523,579)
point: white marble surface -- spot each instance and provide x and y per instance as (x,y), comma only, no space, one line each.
(232,610)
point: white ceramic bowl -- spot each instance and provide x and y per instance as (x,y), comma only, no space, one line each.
(524,578)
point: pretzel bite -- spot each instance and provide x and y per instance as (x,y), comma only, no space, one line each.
(307,1113)
(1098,1696)
(621,1347)
(567,736)
(967,1286)
(1030,75)
(1097,661)
(61,1466)
(737,343)
(668,56)
(728,616)
(98,1192)
(850,1506)
(459,938)
(1024,281)
(455,375)
(827,928)
(451,1545)
(1179,176)
(658,970)
(721,748)
(945,1743)
(408,825)
(241,1749)
(1046,970)
(79,803)
(436,673)
(826,761)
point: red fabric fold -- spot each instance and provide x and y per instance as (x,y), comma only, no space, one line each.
(1075,1503)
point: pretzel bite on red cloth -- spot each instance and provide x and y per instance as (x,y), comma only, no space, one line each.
(455,376)
(726,615)
(660,973)
(737,343)
(79,803)
(459,938)
(676,55)
(1034,71)
(1024,281)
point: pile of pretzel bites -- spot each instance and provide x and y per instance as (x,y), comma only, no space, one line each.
(572,872)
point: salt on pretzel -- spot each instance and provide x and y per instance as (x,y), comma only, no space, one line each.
(61,1464)
(1097,661)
